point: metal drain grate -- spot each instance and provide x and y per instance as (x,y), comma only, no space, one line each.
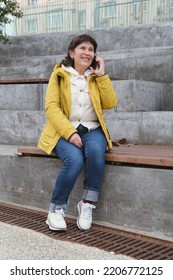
(105,238)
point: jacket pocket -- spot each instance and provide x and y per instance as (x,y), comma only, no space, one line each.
(48,133)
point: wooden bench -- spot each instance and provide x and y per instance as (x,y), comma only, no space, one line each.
(148,155)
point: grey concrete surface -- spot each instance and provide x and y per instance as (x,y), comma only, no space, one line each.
(132,197)
(143,96)
(150,64)
(139,36)
(133,96)
(142,52)
(20,127)
(141,127)
(21,97)
(23,244)
(24,127)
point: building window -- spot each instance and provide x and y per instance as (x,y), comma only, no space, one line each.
(140,7)
(167,3)
(136,10)
(32,26)
(110,9)
(82,19)
(145,6)
(55,19)
(32,2)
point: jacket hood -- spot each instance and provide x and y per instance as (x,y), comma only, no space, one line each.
(64,70)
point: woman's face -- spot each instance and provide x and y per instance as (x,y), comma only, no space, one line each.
(83,56)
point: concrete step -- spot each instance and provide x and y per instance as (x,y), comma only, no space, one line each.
(27,67)
(141,127)
(24,127)
(135,198)
(117,38)
(147,64)
(133,96)
(19,127)
(144,96)
(28,97)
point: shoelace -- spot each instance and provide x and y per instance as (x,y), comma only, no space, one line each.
(87,210)
(59,212)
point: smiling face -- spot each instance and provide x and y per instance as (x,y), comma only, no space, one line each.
(83,56)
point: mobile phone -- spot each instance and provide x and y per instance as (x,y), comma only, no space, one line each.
(95,63)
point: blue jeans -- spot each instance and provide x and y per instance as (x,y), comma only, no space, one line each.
(91,157)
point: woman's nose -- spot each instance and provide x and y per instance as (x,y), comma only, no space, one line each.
(87,52)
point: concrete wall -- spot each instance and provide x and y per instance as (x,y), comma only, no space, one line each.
(133,95)
(24,127)
(132,198)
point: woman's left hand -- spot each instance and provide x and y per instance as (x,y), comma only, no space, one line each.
(100,69)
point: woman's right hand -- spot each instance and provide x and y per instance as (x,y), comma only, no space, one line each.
(76,140)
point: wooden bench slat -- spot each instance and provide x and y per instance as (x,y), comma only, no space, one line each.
(135,154)
(25,81)
(141,159)
(32,150)
(153,150)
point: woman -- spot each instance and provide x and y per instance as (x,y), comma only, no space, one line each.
(78,92)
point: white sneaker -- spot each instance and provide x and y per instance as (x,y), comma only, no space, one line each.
(56,221)
(84,219)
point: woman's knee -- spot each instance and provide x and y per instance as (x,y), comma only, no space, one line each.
(95,151)
(74,158)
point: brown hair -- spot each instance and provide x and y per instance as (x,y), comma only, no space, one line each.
(68,61)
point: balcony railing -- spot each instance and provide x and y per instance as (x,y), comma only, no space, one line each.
(55,16)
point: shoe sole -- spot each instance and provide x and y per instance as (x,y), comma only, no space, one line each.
(56,229)
(78,225)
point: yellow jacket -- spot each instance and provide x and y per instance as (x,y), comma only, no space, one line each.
(58,106)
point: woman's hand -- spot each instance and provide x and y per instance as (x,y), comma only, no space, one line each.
(100,69)
(76,140)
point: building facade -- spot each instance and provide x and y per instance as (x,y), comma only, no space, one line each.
(45,16)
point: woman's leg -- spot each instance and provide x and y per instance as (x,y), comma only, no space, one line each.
(95,145)
(72,158)
(73,161)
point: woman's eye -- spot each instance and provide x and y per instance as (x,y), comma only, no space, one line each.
(84,48)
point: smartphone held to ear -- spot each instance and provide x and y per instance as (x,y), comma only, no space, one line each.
(95,64)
